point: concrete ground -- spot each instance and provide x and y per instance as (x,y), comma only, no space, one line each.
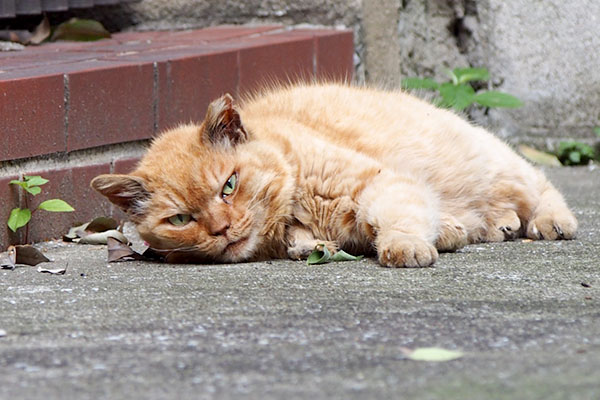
(527,316)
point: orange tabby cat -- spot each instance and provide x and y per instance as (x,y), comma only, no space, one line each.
(358,169)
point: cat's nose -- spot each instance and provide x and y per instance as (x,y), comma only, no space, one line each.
(219,228)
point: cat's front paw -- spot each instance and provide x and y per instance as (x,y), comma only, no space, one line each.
(552,226)
(401,250)
(302,249)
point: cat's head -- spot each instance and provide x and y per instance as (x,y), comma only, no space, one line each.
(209,188)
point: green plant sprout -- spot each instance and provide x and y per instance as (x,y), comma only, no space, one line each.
(459,94)
(20,217)
(573,152)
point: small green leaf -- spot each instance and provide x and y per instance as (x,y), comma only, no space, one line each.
(597,131)
(20,183)
(418,83)
(458,97)
(453,77)
(341,255)
(35,180)
(18,218)
(55,205)
(464,75)
(497,99)
(433,354)
(34,190)
(575,157)
(320,255)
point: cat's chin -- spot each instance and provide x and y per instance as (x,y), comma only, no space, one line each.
(239,250)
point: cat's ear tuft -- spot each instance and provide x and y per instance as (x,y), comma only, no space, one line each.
(223,124)
(126,191)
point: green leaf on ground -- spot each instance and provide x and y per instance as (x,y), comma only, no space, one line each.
(419,83)
(18,218)
(431,354)
(597,131)
(341,255)
(497,99)
(80,30)
(55,205)
(539,157)
(322,255)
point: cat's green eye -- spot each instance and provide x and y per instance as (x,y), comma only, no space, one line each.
(229,186)
(180,219)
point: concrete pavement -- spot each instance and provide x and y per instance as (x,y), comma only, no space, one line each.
(527,315)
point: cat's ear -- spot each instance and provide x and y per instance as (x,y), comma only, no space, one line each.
(126,191)
(223,124)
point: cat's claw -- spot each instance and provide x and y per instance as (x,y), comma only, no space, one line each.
(403,250)
(552,227)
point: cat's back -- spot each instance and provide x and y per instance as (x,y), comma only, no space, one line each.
(393,127)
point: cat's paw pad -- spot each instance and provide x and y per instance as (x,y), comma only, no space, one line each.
(405,251)
(552,226)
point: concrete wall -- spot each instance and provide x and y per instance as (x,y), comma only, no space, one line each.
(545,52)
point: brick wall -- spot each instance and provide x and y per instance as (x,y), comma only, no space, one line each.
(70,111)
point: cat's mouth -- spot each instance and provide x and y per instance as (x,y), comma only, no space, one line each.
(236,246)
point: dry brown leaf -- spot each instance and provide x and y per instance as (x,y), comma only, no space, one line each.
(118,251)
(102,237)
(41,32)
(54,271)
(8,259)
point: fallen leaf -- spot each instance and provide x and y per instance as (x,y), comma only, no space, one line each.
(101,224)
(41,32)
(22,254)
(102,237)
(322,255)
(119,251)
(8,259)
(539,157)
(17,36)
(432,354)
(29,255)
(341,255)
(80,30)
(55,271)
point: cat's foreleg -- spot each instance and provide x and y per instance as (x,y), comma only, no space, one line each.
(301,243)
(404,215)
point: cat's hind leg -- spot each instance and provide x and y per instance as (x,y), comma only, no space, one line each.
(505,226)
(452,234)
(551,219)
